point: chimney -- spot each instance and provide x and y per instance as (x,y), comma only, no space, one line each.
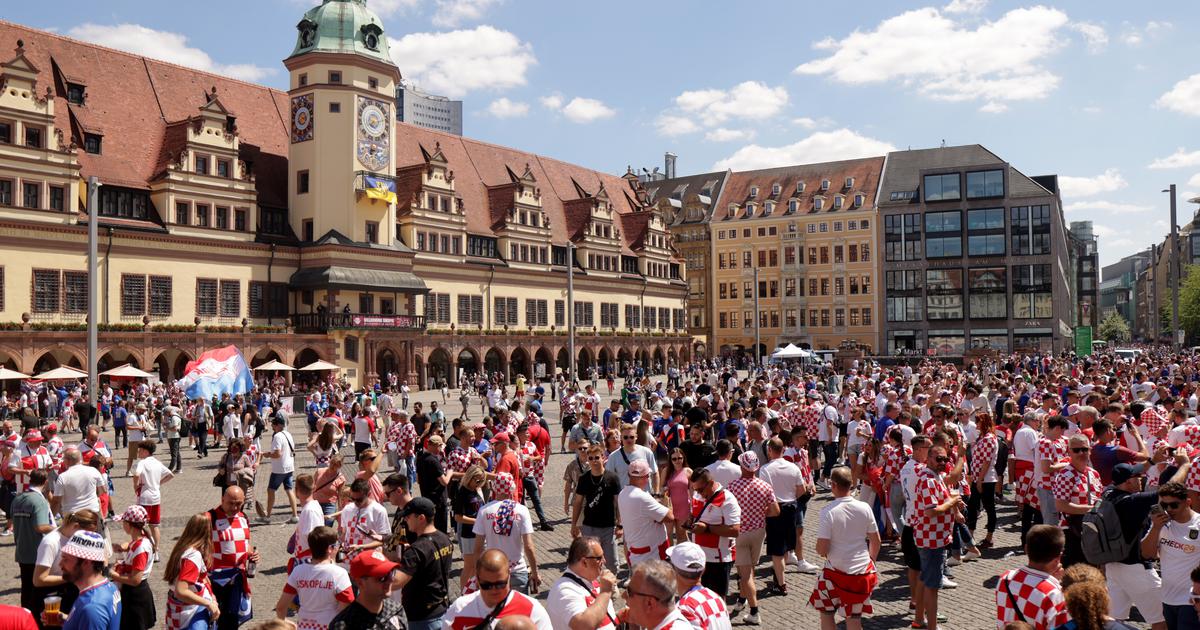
(669,164)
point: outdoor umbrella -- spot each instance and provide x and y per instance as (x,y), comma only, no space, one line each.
(319,365)
(11,375)
(126,371)
(62,373)
(274,365)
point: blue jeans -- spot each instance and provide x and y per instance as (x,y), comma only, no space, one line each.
(428,624)
(1181,617)
(519,581)
(933,566)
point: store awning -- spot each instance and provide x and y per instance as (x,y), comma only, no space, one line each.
(338,277)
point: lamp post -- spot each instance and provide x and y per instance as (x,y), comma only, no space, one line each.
(571,313)
(1173,271)
(93,357)
(757,332)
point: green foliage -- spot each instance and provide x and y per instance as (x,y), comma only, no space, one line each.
(1114,329)
(1189,302)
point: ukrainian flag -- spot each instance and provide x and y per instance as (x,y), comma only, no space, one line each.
(379,188)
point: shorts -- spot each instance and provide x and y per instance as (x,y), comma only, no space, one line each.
(933,566)
(802,510)
(781,530)
(843,430)
(853,450)
(908,546)
(1134,585)
(568,422)
(287,480)
(467,545)
(748,548)
(153,514)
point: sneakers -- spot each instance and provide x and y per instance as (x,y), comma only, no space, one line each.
(546,527)
(264,520)
(953,561)
(971,555)
(736,607)
(751,619)
(293,520)
(948,584)
(790,558)
(804,566)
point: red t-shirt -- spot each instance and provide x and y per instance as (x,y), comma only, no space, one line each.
(511,465)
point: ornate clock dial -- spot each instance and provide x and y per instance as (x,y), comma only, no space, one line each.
(372,120)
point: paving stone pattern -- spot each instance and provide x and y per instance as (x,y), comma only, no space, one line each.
(971,606)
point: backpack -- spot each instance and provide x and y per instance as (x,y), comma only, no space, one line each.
(1102,539)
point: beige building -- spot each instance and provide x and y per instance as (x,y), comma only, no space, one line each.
(306,224)
(801,241)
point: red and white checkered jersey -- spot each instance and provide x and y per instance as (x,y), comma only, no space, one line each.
(932,531)
(1184,434)
(139,557)
(195,574)
(1080,487)
(1031,596)
(1053,450)
(894,458)
(810,418)
(704,609)
(358,524)
(56,448)
(983,457)
(754,496)
(458,460)
(404,436)
(231,539)
(1193,475)
(799,457)
(529,466)
(722,510)
(28,459)
(1153,418)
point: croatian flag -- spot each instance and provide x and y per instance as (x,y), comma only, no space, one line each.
(220,371)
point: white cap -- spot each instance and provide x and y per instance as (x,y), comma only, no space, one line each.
(686,556)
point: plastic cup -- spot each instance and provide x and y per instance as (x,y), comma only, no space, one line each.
(51,606)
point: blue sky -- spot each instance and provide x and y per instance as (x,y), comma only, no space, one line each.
(1105,94)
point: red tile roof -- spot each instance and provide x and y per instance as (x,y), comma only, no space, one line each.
(137,104)
(738,185)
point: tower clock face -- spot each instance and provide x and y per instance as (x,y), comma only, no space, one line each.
(302,118)
(373,147)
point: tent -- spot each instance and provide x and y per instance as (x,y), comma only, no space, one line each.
(317,366)
(791,351)
(127,371)
(11,375)
(62,373)
(274,365)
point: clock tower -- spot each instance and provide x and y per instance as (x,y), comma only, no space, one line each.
(341,95)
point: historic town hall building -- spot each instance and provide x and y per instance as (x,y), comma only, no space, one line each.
(306,224)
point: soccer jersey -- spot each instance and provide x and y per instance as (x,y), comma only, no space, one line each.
(231,539)
(932,531)
(359,524)
(1029,595)
(722,510)
(1052,450)
(754,496)
(704,609)
(322,590)
(195,574)
(568,598)
(469,611)
(97,608)
(983,458)
(1074,486)
(140,557)
(641,515)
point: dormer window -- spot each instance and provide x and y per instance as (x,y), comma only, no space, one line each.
(754,192)
(371,33)
(75,93)
(858,201)
(749,211)
(849,182)
(91,143)
(769,207)
(799,187)
(824,184)
(793,205)
(776,189)
(732,210)
(837,202)
(818,204)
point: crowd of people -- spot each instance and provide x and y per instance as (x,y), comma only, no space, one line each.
(675,490)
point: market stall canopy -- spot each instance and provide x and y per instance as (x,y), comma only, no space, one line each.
(127,371)
(791,351)
(274,365)
(11,375)
(61,374)
(318,366)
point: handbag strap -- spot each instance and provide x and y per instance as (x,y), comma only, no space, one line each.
(1012,602)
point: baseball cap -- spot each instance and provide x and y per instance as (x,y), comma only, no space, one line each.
(1124,472)
(502,436)
(86,545)
(687,556)
(748,460)
(33,436)
(639,468)
(435,439)
(420,506)
(371,564)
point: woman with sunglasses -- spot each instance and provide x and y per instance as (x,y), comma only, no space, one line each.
(674,479)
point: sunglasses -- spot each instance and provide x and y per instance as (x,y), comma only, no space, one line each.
(594,458)
(493,586)
(942,460)
(628,437)
(599,558)
(1081,449)
(629,592)
(1170,505)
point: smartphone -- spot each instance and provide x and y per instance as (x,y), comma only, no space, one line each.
(1156,509)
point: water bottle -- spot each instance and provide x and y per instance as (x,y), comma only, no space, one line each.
(251,565)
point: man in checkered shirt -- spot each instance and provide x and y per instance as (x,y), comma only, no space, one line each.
(1051,451)
(701,606)
(756,499)
(1031,593)
(936,512)
(1076,489)
(230,554)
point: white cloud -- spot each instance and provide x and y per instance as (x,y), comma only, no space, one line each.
(585,110)
(950,60)
(749,100)
(1181,158)
(1110,180)
(1184,97)
(385,8)
(504,108)
(994,107)
(455,12)
(1194,181)
(805,122)
(1094,34)
(1134,36)
(553,101)
(721,134)
(454,63)
(822,146)
(671,125)
(164,45)
(965,6)
(1104,206)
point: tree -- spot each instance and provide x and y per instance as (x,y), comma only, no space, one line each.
(1113,329)
(1189,302)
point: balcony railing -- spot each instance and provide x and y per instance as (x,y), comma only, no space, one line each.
(322,322)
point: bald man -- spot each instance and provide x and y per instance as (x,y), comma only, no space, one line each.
(469,611)
(232,550)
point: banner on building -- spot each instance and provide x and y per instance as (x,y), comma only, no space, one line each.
(1083,341)
(216,372)
(380,188)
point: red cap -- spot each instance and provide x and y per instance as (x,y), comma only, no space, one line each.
(502,437)
(371,564)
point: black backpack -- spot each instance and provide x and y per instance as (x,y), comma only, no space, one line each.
(1102,539)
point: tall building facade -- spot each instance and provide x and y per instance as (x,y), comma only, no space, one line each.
(976,254)
(428,110)
(306,224)
(1117,286)
(1086,268)
(794,258)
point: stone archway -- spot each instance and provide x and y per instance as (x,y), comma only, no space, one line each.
(542,367)
(659,360)
(438,368)
(493,362)
(387,362)
(468,363)
(624,360)
(584,363)
(266,355)
(170,364)
(562,361)
(518,363)
(604,360)
(56,358)
(306,356)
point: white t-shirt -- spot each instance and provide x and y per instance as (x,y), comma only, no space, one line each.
(310,518)
(724,471)
(469,611)
(846,523)
(723,510)
(286,462)
(362,430)
(641,514)
(231,426)
(137,419)
(568,598)
(783,476)
(907,433)
(853,438)
(1025,444)
(512,544)
(357,524)
(48,552)
(827,428)
(1178,554)
(77,486)
(908,483)
(323,589)
(149,473)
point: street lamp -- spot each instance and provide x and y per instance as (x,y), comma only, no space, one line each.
(1173,272)
(571,313)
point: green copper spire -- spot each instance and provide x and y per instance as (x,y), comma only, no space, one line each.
(342,26)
